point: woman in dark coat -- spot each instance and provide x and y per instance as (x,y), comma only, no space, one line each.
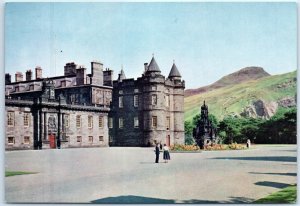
(166,153)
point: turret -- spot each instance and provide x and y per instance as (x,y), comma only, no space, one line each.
(121,76)
(174,73)
(153,67)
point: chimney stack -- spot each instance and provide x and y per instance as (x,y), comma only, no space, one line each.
(38,72)
(19,77)
(70,68)
(7,78)
(28,75)
(108,77)
(81,76)
(145,67)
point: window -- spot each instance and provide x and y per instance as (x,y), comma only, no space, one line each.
(31,87)
(10,118)
(136,122)
(167,100)
(100,121)
(121,123)
(121,92)
(78,121)
(136,100)
(153,88)
(121,102)
(17,89)
(78,138)
(67,120)
(90,121)
(101,138)
(110,122)
(136,90)
(154,121)
(154,99)
(168,123)
(10,140)
(90,139)
(26,140)
(26,119)
(63,83)
(66,138)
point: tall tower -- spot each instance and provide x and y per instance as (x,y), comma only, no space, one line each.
(177,104)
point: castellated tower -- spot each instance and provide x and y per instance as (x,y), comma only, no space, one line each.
(148,110)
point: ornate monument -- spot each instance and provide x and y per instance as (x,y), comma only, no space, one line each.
(204,133)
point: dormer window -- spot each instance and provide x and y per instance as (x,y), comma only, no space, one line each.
(63,83)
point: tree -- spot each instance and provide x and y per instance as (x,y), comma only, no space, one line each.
(188,133)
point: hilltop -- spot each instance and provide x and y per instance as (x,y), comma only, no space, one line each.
(243,75)
(258,97)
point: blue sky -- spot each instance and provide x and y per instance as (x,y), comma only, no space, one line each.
(206,40)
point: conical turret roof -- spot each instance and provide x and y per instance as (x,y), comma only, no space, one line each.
(174,71)
(122,75)
(153,67)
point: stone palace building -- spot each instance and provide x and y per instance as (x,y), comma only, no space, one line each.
(93,110)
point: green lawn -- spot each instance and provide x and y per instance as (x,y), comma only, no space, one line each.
(13,173)
(286,195)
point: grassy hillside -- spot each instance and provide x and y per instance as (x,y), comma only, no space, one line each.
(233,99)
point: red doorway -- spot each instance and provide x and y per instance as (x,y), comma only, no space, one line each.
(168,140)
(52,141)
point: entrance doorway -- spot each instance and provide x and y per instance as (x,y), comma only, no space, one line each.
(168,140)
(52,141)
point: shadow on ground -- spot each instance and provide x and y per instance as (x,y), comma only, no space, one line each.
(270,173)
(132,199)
(264,158)
(272,184)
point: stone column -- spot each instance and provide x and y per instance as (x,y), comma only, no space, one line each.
(42,126)
(45,126)
(59,129)
(40,129)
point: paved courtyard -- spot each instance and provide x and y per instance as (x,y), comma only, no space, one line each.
(129,175)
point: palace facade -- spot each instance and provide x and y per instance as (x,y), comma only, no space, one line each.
(92,110)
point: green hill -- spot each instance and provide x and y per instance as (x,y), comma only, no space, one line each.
(261,95)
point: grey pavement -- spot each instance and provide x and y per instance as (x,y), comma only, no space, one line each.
(129,175)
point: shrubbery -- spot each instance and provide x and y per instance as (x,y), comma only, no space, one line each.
(233,146)
(280,129)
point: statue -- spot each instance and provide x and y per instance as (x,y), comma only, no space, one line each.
(204,133)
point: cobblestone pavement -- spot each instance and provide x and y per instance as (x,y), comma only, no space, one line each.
(129,175)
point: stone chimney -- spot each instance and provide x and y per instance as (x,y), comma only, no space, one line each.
(38,72)
(7,78)
(108,77)
(97,73)
(145,67)
(81,76)
(28,75)
(70,68)
(19,76)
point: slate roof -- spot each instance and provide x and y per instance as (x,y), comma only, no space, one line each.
(174,71)
(153,67)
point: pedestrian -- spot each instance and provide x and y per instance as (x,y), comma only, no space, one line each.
(156,153)
(248,143)
(166,153)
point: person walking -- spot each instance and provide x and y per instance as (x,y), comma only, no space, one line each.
(166,153)
(248,143)
(156,153)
